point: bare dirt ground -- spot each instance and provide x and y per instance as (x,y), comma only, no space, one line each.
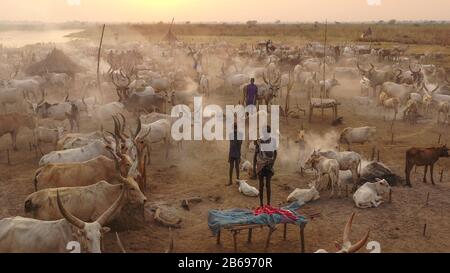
(201,169)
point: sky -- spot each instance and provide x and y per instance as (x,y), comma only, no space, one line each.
(222,10)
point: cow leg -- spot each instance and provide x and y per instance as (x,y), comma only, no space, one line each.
(148,154)
(14,140)
(431,173)
(425,174)
(408,174)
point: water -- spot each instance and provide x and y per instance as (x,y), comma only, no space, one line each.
(19,38)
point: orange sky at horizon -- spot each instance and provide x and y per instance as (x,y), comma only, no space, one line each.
(222,10)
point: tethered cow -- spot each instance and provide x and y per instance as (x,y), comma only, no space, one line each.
(11,123)
(424,157)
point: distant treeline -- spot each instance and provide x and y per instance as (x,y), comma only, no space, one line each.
(410,33)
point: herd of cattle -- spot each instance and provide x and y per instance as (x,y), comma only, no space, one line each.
(83,184)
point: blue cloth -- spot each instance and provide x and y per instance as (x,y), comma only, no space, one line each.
(221,218)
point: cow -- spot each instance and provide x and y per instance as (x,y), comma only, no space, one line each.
(347,161)
(86,203)
(411,111)
(423,157)
(376,77)
(151,133)
(80,154)
(400,91)
(359,135)
(325,166)
(204,85)
(347,246)
(25,235)
(388,102)
(370,194)
(303,196)
(10,95)
(327,85)
(48,135)
(76,140)
(246,189)
(82,173)
(11,123)
(443,108)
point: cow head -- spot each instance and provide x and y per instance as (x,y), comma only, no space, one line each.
(273,86)
(313,159)
(89,235)
(347,246)
(134,194)
(122,89)
(382,186)
(366,73)
(34,107)
(444,151)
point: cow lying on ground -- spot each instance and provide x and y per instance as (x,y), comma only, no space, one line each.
(24,235)
(369,194)
(303,196)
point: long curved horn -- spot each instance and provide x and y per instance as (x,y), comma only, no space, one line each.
(103,219)
(347,230)
(360,69)
(138,129)
(399,73)
(264,78)
(170,248)
(354,248)
(104,137)
(119,243)
(372,67)
(124,125)
(67,215)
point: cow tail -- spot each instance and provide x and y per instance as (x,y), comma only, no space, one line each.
(35,180)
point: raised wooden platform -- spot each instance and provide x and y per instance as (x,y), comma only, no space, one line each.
(323,104)
(235,229)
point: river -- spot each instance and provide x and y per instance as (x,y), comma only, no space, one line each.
(19,38)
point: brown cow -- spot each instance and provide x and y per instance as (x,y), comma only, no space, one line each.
(11,123)
(423,157)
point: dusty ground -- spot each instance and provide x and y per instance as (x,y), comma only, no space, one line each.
(201,169)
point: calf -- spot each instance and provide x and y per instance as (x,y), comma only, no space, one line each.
(369,194)
(303,196)
(423,157)
(246,189)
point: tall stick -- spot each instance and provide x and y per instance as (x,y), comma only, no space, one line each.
(98,65)
(324,60)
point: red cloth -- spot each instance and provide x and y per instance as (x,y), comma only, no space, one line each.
(271,210)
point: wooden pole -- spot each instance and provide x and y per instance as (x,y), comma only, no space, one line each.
(441,175)
(390,196)
(428,198)
(424,229)
(439,139)
(7,156)
(98,65)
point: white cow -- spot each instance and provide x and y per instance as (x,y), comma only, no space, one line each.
(24,235)
(369,194)
(347,161)
(325,166)
(359,135)
(77,155)
(246,189)
(303,196)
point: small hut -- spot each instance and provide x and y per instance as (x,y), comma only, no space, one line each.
(170,37)
(55,62)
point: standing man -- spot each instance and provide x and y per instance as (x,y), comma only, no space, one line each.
(250,93)
(265,160)
(234,156)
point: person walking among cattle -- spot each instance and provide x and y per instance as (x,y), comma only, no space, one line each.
(266,154)
(423,157)
(250,93)
(234,156)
